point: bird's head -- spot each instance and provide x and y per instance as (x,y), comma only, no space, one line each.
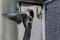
(30,13)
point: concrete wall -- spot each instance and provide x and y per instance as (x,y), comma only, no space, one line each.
(53,21)
(8,5)
(9,27)
(0,20)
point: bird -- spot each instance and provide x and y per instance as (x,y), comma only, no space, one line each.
(29,23)
(25,18)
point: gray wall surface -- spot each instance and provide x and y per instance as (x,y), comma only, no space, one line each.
(9,27)
(8,5)
(52,17)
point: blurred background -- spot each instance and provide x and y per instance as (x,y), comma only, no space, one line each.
(9,27)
